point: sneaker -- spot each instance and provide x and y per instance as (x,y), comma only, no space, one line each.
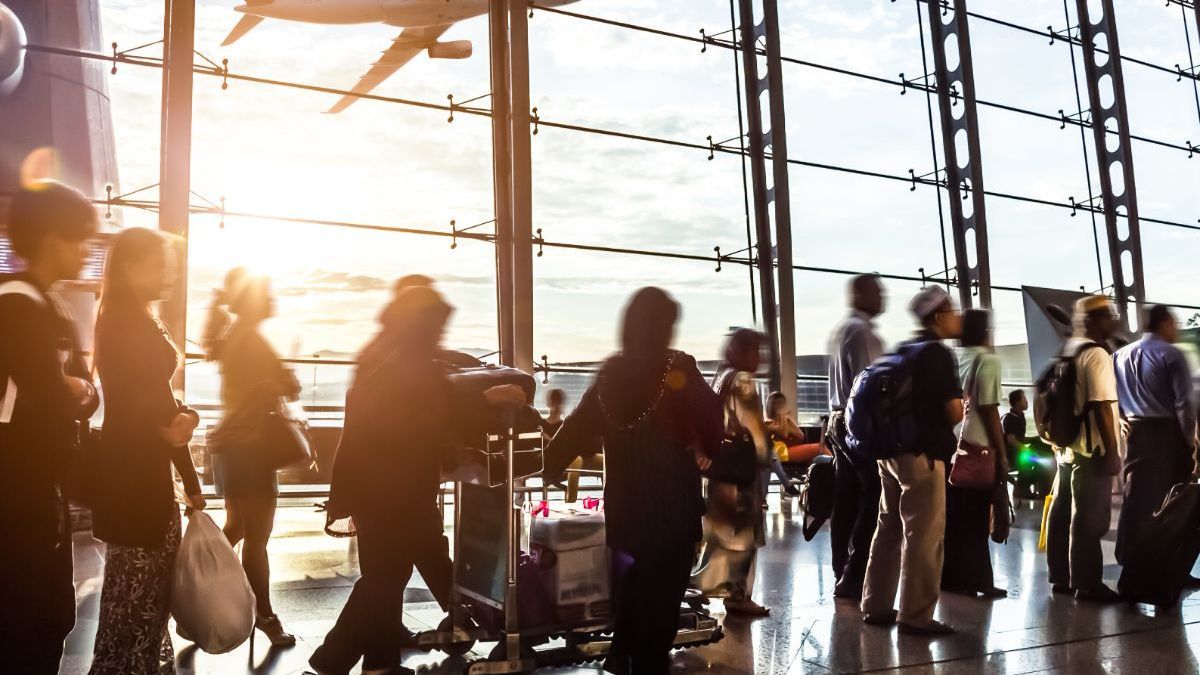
(933,628)
(887,618)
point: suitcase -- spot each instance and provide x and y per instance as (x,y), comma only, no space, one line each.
(1168,545)
(816,495)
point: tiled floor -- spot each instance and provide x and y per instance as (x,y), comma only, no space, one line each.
(1030,632)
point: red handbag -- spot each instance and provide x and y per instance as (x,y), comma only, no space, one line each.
(973,466)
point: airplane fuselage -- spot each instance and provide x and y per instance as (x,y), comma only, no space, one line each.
(399,13)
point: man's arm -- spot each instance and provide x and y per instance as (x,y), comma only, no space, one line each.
(31,343)
(1181,389)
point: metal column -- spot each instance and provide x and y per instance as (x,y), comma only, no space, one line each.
(758,175)
(179,25)
(964,175)
(776,138)
(522,189)
(1114,160)
(498,16)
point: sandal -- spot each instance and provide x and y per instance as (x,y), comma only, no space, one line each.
(272,627)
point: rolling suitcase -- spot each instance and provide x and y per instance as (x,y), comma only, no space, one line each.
(1168,546)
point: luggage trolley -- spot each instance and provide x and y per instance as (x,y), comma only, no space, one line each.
(485,599)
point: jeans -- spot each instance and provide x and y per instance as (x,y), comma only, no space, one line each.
(1079,518)
(855,510)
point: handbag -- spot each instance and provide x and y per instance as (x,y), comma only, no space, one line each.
(1003,514)
(973,466)
(737,460)
(283,440)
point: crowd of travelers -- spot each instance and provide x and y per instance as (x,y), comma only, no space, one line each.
(912,517)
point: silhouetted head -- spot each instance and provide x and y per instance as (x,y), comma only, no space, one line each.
(1018,401)
(231,285)
(976,328)
(743,350)
(417,318)
(1161,321)
(49,225)
(411,281)
(140,270)
(649,324)
(254,301)
(867,294)
(555,400)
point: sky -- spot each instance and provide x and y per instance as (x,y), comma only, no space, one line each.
(273,151)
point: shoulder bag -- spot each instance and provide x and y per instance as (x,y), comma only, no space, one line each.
(974,466)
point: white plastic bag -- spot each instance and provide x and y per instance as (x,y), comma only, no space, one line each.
(210,597)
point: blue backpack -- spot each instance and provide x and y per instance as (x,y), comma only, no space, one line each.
(880,423)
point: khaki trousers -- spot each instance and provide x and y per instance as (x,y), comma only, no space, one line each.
(907,548)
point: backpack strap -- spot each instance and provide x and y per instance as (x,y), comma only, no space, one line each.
(8,401)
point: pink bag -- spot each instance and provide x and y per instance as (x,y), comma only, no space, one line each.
(974,467)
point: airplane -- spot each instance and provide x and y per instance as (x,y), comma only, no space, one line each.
(423,23)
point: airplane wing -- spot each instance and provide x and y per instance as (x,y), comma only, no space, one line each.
(408,44)
(247,22)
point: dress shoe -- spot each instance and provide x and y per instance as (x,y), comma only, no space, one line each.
(1101,594)
(994,593)
(931,629)
(1062,589)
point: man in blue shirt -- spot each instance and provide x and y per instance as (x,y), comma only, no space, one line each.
(1154,390)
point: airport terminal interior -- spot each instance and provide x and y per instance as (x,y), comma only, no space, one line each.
(538,162)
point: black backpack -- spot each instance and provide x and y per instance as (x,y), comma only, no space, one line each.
(880,423)
(816,495)
(1054,399)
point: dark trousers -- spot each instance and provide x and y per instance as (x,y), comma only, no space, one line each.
(648,589)
(1079,518)
(389,546)
(968,561)
(37,593)
(1157,458)
(855,510)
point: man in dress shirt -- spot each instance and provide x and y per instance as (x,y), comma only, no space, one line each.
(1154,391)
(853,346)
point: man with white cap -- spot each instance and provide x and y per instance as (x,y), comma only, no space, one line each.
(1082,509)
(907,548)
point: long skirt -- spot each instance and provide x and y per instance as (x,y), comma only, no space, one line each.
(134,607)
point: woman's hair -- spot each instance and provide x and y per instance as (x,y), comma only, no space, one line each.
(234,279)
(742,348)
(252,300)
(648,325)
(773,402)
(975,327)
(129,247)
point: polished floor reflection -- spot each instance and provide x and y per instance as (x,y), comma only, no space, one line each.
(1032,631)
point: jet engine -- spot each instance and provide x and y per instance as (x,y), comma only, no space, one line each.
(456,49)
(12,50)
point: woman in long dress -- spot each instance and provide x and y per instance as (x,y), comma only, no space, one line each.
(146,431)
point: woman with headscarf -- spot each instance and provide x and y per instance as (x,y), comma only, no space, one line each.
(734,524)
(402,416)
(659,422)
